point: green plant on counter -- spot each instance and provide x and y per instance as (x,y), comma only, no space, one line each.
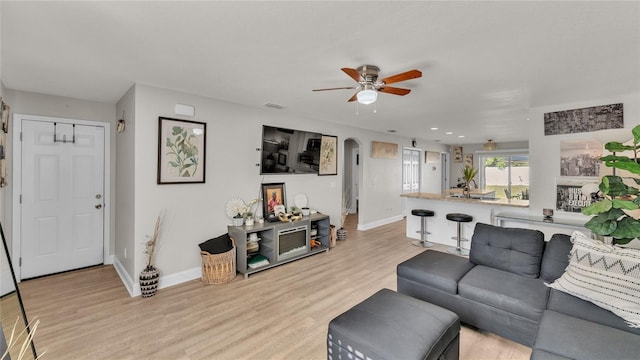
(468,174)
(617,214)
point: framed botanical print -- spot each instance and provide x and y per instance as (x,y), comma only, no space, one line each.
(181,151)
(328,155)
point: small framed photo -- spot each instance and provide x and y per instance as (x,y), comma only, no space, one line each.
(273,198)
(328,155)
(181,151)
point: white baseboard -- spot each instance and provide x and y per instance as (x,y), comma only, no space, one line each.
(124,276)
(378,223)
(133,287)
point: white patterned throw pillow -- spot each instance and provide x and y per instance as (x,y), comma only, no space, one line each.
(606,275)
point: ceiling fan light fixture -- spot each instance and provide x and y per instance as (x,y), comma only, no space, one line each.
(368,95)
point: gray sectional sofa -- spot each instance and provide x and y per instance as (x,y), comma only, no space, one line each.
(501,288)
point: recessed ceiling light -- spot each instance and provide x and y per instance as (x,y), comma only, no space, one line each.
(434,128)
(460,136)
(449,132)
(392,131)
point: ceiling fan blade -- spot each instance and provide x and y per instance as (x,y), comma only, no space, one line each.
(353,73)
(353,98)
(411,74)
(338,88)
(394,90)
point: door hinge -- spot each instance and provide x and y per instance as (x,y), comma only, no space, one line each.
(20,261)
(20,135)
(20,200)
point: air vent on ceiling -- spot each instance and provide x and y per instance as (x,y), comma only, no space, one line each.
(274,106)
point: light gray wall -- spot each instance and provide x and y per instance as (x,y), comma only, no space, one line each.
(196,212)
(544,151)
(124,246)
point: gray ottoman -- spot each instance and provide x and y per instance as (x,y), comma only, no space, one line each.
(389,325)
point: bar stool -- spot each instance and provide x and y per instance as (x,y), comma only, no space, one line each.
(459,218)
(423,227)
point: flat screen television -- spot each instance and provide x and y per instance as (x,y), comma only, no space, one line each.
(288,151)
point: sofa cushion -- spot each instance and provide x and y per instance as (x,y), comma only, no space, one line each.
(570,305)
(504,290)
(576,338)
(605,275)
(556,257)
(436,269)
(515,250)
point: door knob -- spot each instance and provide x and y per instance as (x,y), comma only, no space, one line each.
(99,206)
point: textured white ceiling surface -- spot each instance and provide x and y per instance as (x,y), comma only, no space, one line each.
(484,64)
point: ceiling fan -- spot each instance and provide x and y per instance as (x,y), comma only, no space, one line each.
(369,85)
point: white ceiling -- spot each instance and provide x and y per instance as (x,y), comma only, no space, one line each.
(484,64)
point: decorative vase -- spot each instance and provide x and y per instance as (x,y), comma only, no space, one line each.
(466,192)
(237,221)
(248,221)
(149,278)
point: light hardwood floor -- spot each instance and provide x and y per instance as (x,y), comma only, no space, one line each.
(281,313)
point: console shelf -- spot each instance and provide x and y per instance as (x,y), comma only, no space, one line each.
(269,241)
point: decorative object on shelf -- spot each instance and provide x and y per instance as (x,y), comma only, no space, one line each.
(181,151)
(584,120)
(328,155)
(238,211)
(468,175)
(617,214)
(547,213)
(384,150)
(150,276)
(289,217)
(273,194)
(332,236)
(248,218)
(342,234)
(457,154)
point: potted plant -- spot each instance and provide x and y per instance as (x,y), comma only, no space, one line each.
(248,218)
(468,174)
(616,213)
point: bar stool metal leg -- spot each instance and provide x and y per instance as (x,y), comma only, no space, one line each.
(423,235)
(459,250)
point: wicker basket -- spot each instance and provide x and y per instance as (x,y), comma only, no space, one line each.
(219,268)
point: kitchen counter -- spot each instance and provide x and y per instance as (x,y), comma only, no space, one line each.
(442,230)
(494,202)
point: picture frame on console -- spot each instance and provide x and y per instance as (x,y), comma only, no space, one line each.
(181,151)
(273,195)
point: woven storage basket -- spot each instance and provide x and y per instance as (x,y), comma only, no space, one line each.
(219,268)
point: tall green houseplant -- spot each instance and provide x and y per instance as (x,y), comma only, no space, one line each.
(618,213)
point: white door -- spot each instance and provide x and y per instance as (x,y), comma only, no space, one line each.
(411,171)
(62,206)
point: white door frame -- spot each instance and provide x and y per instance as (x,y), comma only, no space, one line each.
(355,178)
(16,235)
